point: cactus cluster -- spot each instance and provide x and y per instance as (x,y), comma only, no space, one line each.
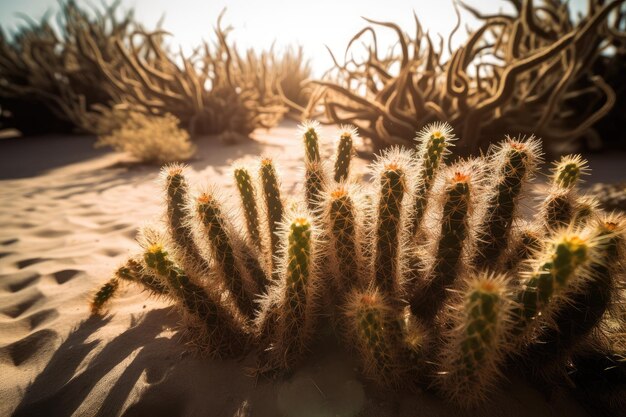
(430,273)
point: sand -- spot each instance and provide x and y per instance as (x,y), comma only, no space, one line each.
(68,218)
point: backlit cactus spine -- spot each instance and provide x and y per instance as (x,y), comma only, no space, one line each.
(249,206)
(345,239)
(292,301)
(178,215)
(514,162)
(557,209)
(104,295)
(566,256)
(227,265)
(475,346)
(430,296)
(314,171)
(587,303)
(221,334)
(433,143)
(345,149)
(273,207)
(391,219)
(373,329)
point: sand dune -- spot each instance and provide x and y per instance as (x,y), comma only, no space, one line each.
(66,223)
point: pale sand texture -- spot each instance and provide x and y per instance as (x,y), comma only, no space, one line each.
(70,222)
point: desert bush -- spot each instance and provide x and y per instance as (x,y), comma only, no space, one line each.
(99,62)
(151,139)
(448,300)
(531,72)
(47,75)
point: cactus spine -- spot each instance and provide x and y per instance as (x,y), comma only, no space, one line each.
(224,336)
(294,297)
(134,271)
(557,268)
(344,153)
(225,259)
(454,230)
(248,203)
(104,294)
(586,305)
(314,184)
(558,208)
(474,347)
(434,141)
(515,161)
(388,229)
(371,322)
(311,141)
(177,219)
(344,240)
(273,206)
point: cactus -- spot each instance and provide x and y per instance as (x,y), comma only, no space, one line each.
(564,258)
(573,321)
(134,271)
(344,153)
(223,335)
(434,141)
(314,184)
(310,137)
(370,319)
(558,209)
(428,300)
(104,295)
(391,216)
(248,204)
(293,298)
(177,218)
(567,172)
(345,239)
(273,206)
(475,346)
(514,162)
(226,263)
(430,309)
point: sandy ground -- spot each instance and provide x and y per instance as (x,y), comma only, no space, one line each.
(68,217)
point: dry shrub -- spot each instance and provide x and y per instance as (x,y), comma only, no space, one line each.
(151,139)
(527,72)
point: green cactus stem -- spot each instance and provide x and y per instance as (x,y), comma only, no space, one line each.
(295,310)
(388,229)
(344,154)
(474,347)
(516,160)
(433,143)
(104,295)
(226,264)
(568,171)
(177,219)
(273,206)
(310,138)
(373,329)
(563,258)
(134,271)
(248,203)
(344,244)
(225,337)
(428,300)
(314,184)
(586,305)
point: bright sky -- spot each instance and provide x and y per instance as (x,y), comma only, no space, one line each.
(257,23)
